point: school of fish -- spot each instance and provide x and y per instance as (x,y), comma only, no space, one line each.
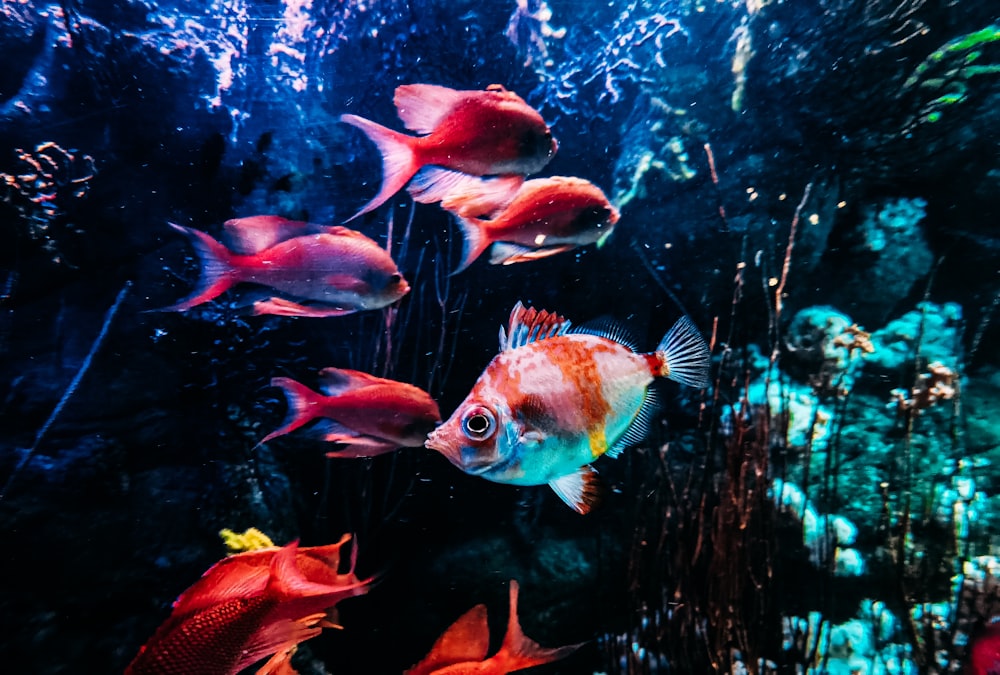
(554,399)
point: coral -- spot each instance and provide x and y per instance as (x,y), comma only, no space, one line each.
(822,534)
(940,383)
(931,330)
(251,539)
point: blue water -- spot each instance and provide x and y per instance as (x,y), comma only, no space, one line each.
(801,180)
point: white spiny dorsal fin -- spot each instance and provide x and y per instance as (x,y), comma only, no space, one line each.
(527,325)
(335,381)
(580,490)
(641,423)
(247,236)
(422,107)
(606,327)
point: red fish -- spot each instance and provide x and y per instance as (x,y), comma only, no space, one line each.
(248,607)
(984,651)
(369,414)
(547,216)
(317,270)
(462,649)
(554,400)
(478,133)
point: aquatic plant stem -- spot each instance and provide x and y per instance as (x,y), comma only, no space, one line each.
(70,390)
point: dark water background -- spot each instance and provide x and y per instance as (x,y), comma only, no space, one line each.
(117,509)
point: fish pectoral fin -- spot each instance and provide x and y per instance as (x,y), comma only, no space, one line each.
(347,282)
(507,253)
(277,637)
(281,307)
(279,664)
(356,445)
(582,490)
(531,437)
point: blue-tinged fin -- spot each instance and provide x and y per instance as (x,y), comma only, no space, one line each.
(336,381)
(640,426)
(684,355)
(253,234)
(527,325)
(606,327)
(581,490)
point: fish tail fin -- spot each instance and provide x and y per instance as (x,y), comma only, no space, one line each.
(301,406)
(683,355)
(217,274)
(474,241)
(518,651)
(399,162)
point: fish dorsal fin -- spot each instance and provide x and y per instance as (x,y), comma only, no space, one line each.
(606,327)
(422,107)
(336,381)
(527,325)
(322,563)
(241,575)
(341,231)
(639,428)
(465,641)
(581,490)
(247,236)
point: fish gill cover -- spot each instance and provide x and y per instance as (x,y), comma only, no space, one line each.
(814,183)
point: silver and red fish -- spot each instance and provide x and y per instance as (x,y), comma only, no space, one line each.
(555,399)
(313,270)
(462,649)
(546,216)
(369,415)
(463,133)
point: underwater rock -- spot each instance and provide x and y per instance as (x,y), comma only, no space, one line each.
(931,330)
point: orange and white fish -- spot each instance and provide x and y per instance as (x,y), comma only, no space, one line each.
(465,133)
(248,607)
(547,216)
(370,415)
(555,399)
(317,270)
(462,649)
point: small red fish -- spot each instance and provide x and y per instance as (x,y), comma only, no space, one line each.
(984,651)
(479,133)
(555,399)
(369,414)
(248,607)
(462,649)
(317,270)
(547,216)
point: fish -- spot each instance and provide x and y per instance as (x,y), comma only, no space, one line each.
(984,651)
(370,415)
(248,607)
(546,216)
(556,398)
(462,648)
(317,270)
(463,133)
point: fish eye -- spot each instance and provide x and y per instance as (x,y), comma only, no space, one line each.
(395,278)
(479,423)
